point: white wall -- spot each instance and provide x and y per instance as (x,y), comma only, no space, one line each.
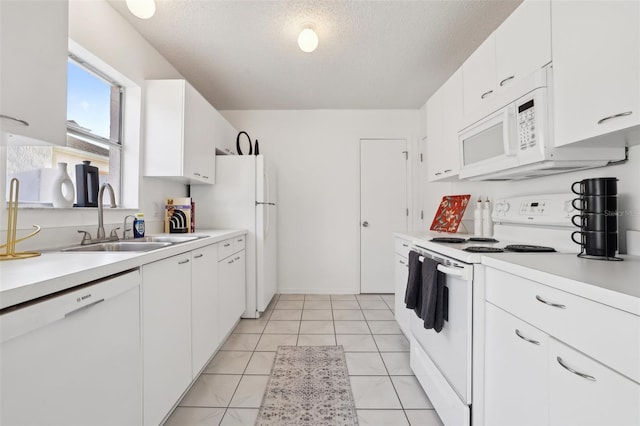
(628,191)
(98,28)
(316,153)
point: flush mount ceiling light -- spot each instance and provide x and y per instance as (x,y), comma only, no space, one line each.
(143,9)
(308,39)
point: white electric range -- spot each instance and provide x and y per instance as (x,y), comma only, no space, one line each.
(443,362)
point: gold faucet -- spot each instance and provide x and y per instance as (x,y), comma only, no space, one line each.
(12,226)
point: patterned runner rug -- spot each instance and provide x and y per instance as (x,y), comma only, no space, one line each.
(309,385)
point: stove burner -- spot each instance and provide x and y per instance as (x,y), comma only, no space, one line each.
(524,248)
(448,240)
(483,249)
(483,240)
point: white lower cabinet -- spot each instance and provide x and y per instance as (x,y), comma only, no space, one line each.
(166,334)
(205,332)
(515,386)
(232,294)
(584,392)
(401,312)
(532,376)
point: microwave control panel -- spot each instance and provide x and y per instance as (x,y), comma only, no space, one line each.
(526,125)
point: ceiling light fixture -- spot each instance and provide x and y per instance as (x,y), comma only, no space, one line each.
(308,39)
(143,9)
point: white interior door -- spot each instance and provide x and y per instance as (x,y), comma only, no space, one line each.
(383,210)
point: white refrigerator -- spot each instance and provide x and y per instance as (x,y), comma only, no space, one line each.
(244,196)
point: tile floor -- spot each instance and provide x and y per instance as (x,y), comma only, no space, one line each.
(386,392)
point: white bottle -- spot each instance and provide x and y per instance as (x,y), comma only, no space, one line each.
(487,223)
(477,219)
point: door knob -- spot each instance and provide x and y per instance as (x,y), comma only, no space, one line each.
(365,224)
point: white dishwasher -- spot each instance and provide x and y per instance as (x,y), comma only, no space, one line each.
(74,358)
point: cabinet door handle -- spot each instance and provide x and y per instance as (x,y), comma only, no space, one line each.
(402,262)
(577,373)
(196,174)
(405,245)
(8,117)
(485,94)
(230,261)
(82,308)
(535,342)
(438,173)
(448,170)
(506,80)
(622,114)
(205,177)
(198,256)
(237,258)
(227,245)
(182,262)
(555,305)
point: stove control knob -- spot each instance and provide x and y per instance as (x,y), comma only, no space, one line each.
(502,207)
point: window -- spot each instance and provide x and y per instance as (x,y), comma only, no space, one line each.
(94,133)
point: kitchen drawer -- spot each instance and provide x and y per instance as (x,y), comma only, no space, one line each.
(609,335)
(402,247)
(226,248)
(239,243)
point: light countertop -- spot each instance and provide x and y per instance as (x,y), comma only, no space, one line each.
(616,284)
(23,280)
(612,283)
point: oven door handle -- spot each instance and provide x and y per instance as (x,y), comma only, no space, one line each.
(461,273)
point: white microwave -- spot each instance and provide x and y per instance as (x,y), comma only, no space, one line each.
(515,142)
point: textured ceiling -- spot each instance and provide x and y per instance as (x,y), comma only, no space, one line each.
(372,54)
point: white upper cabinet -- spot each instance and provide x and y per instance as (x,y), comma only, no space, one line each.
(479,79)
(180,128)
(596,70)
(33,79)
(224,135)
(521,45)
(523,42)
(444,120)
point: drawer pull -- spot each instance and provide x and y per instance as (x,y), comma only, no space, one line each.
(401,262)
(622,114)
(198,256)
(535,342)
(182,262)
(405,245)
(503,82)
(485,94)
(227,245)
(577,373)
(555,305)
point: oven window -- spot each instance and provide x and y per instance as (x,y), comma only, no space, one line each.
(487,144)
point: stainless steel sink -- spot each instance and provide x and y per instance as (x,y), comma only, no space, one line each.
(135,246)
(165,239)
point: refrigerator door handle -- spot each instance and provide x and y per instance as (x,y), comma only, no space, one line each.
(258,203)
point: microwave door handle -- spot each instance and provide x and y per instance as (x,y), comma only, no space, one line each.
(507,133)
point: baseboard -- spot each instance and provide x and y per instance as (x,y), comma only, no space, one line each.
(323,290)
